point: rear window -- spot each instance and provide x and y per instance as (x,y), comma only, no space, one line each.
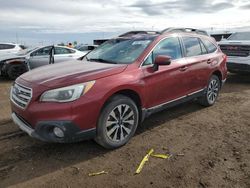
(192,46)
(6,46)
(209,45)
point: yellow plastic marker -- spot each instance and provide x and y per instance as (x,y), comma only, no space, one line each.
(161,156)
(98,173)
(144,160)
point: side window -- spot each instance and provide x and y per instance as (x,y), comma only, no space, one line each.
(192,46)
(42,51)
(59,50)
(209,45)
(6,46)
(170,47)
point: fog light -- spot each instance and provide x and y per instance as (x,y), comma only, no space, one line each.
(58,132)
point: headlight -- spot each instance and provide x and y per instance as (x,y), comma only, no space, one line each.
(66,94)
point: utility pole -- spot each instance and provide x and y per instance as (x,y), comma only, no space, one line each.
(17,41)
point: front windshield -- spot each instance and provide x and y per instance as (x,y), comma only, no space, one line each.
(240,36)
(26,51)
(119,51)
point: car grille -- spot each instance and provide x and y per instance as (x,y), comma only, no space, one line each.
(236,50)
(21,95)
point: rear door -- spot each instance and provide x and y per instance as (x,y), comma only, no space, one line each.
(168,83)
(197,63)
(63,54)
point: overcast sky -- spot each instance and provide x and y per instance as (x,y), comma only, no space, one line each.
(53,21)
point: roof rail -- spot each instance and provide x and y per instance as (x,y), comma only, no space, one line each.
(188,30)
(131,33)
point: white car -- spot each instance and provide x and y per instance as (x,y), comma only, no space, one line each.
(237,49)
(10,48)
(13,65)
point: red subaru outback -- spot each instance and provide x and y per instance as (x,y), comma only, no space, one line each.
(113,88)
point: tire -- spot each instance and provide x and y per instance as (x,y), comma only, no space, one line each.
(15,70)
(117,122)
(212,92)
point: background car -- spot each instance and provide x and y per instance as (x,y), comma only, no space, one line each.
(10,48)
(86,48)
(14,65)
(237,49)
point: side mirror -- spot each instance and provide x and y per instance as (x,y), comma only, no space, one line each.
(161,60)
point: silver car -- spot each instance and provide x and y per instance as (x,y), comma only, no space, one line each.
(52,54)
(13,65)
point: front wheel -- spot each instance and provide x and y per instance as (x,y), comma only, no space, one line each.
(16,70)
(212,92)
(117,123)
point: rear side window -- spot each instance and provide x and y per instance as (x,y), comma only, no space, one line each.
(59,50)
(6,46)
(209,45)
(192,46)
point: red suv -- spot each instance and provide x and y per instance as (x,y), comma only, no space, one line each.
(112,89)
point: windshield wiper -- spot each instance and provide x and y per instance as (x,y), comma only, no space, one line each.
(102,60)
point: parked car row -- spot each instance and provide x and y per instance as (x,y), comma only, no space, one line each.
(107,93)
(13,65)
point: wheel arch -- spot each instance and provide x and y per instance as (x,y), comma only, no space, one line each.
(132,94)
(219,74)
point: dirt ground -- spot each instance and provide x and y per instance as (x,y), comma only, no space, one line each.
(210,147)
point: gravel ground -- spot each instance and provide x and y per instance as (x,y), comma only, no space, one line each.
(210,147)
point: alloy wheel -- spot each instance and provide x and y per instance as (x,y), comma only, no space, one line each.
(120,122)
(213,90)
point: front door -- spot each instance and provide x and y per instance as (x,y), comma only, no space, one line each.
(169,82)
(40,57)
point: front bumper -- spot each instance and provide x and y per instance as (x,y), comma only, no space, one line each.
(44,130)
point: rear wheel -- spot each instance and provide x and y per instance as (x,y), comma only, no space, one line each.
(117,123)
(16,70)
(212,92)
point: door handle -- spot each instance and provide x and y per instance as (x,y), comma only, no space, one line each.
(183,68)
(209,61)
(70,55)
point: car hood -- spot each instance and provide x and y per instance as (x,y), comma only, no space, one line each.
(71,72)
(234,42)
